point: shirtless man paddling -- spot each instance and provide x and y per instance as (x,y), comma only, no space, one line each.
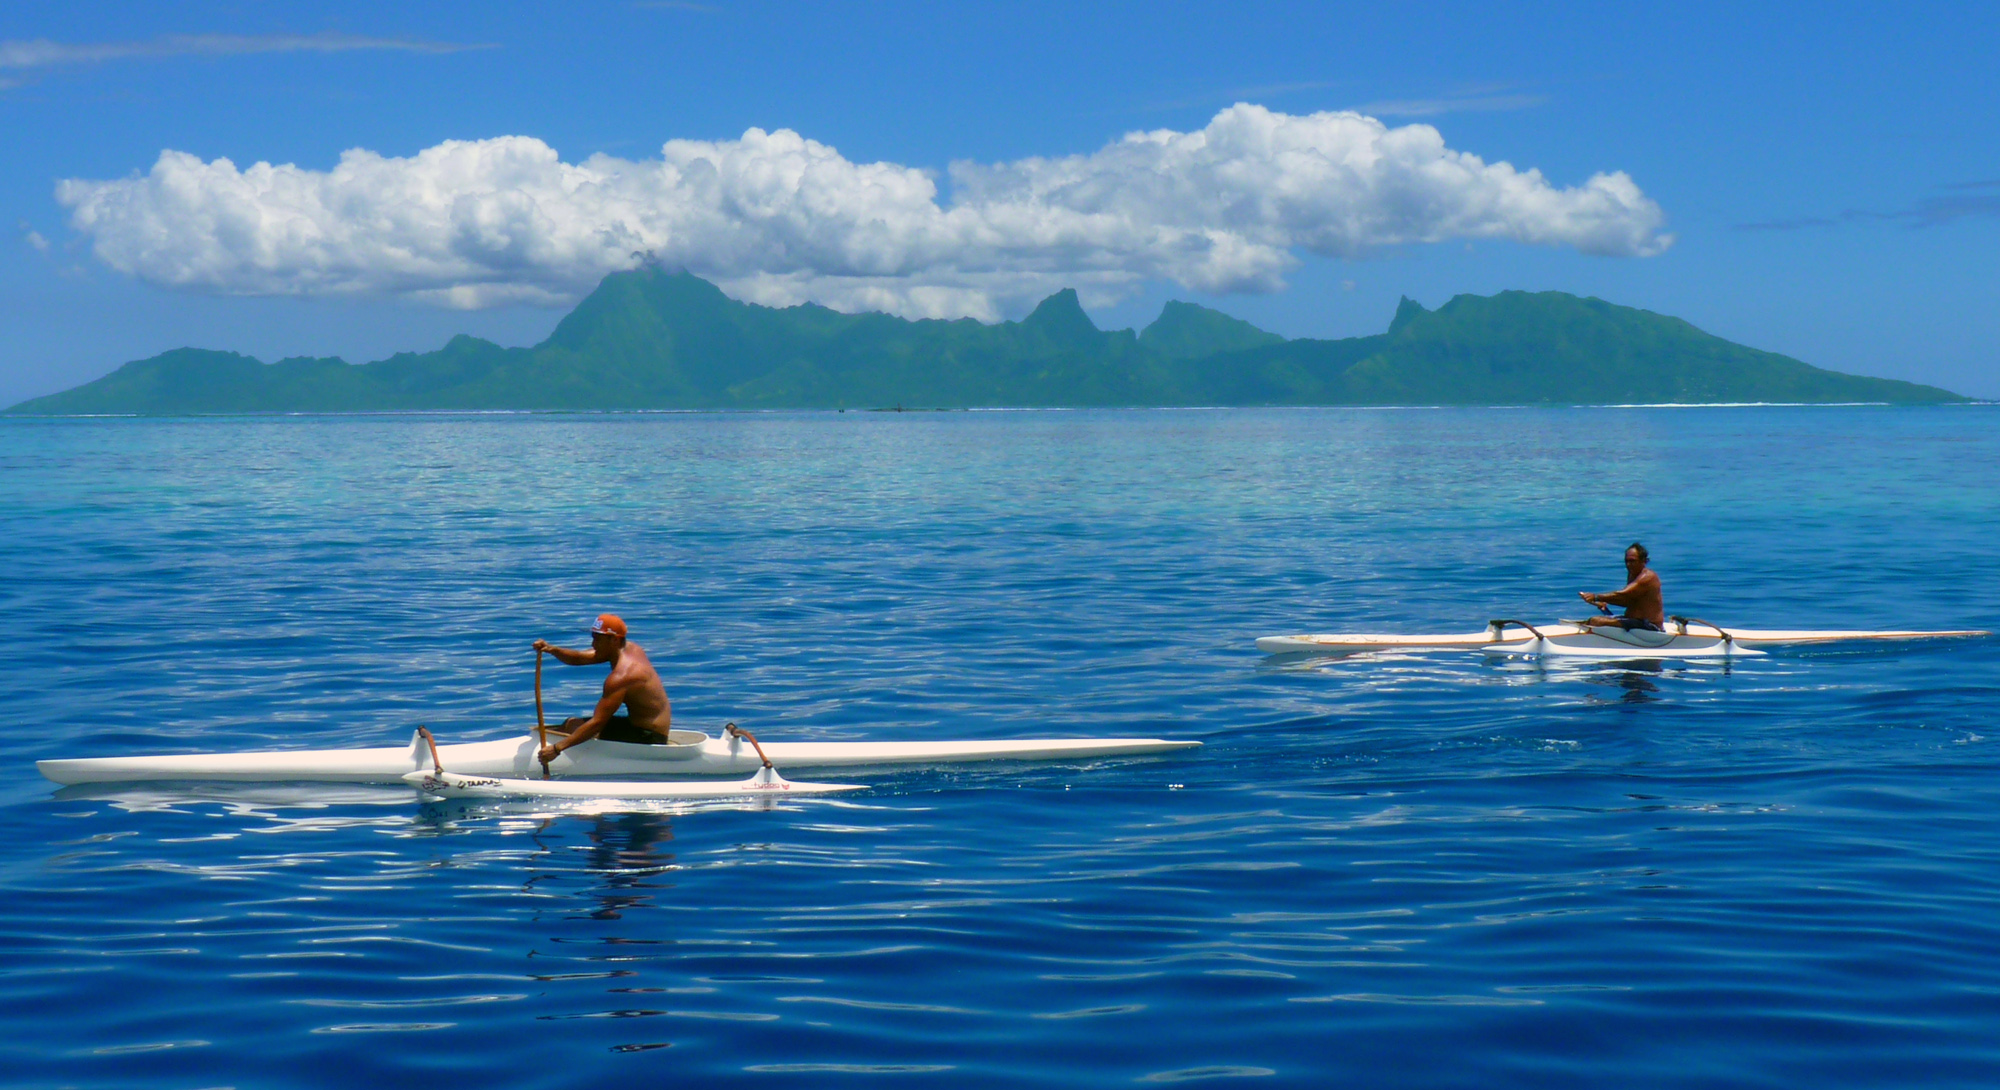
(1644,608)
(632,682)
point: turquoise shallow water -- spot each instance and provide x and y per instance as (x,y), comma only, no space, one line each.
(1432,871)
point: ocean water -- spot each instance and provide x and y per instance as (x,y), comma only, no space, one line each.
(1424,871)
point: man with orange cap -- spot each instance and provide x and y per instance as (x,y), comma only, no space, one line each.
(632,682)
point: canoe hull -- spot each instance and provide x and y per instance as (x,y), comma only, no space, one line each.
(515,758)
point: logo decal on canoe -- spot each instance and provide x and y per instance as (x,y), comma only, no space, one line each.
(435,783)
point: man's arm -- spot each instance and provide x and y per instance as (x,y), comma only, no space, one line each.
(569,657)
(1626,596)
(606,708)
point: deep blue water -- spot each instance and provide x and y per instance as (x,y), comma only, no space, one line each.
(1440,871)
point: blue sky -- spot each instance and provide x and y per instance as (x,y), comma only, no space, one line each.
(1820,180)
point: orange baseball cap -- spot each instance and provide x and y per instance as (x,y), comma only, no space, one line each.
(608,624)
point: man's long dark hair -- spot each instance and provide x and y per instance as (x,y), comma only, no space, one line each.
(1635,547)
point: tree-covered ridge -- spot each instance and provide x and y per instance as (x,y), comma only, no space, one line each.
(651,339)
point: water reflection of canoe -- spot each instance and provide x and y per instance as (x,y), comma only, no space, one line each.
(688,753)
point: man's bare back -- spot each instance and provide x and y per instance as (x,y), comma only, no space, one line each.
(1645,606)
(632,683)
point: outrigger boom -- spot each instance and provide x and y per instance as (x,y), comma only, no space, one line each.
(764,783)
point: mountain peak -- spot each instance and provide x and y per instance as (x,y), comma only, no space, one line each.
(1407,310)
(1185,331)
(1060,317)
(640,305)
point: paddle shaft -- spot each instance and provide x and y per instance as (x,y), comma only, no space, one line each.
(541,724)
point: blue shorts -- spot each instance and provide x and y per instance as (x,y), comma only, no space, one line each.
(1640,623)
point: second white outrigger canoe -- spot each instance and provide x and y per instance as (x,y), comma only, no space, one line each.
(1685,638)
(687,753)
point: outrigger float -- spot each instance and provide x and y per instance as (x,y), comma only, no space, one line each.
(1685,638)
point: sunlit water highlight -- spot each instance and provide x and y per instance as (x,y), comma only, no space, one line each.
(1407,870)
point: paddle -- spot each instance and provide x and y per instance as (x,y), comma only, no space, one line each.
(541,725)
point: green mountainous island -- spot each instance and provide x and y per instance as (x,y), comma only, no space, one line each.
(652,339)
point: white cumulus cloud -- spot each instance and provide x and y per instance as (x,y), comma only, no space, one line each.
(778,218)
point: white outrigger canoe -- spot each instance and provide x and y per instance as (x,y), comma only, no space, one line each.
(1685,638)
(687,753)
